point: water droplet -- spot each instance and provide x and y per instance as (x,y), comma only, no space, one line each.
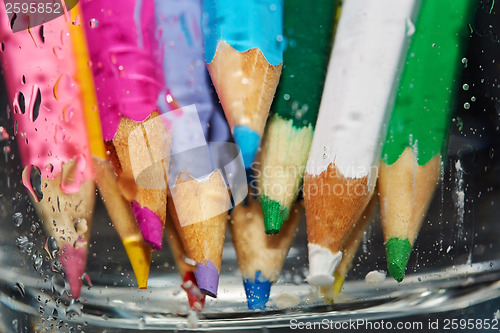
(65,37)
(51,247)
(465,61)
(58,52)
(17,219)
(37,260)
(272,7)
(3,46)
(4,135)
(57,267)
(41,34)
(77,21)
(465,87)
(23,244)
(279,38)
(15,324)
(473,99)
(286,97)
(57,284)
(74,309)
(23,80)
(32,180)
(12,20)
(492,152)
(36,106)
(81,226)
(21,102)
(20,288)
(93,23)
(142,323)
(460,123)
(64,88)
(466,105)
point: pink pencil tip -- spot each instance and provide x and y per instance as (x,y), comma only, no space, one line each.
(150,225)
(73,262)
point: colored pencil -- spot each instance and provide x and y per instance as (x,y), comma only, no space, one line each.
(244,55)
(125,64)
(119,210)
(184,70)
(308,30)
(260,256)
(342,168)
(416,137)
(47,108)
(195,297)
(328,293)
(202,200)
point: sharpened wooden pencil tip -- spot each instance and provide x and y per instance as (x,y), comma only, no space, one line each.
(139,255)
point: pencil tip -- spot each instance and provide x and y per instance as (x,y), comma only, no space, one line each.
(150,225)
(337,284)
(248,140)
(274,215)
(398,252)
(207,276)
(139,255)
(330,292)
(195,297)
(73,262)
(257,291)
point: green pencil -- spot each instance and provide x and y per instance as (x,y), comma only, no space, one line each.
(416,137)
(308,30)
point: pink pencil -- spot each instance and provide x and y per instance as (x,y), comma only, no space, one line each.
(127,73)
(50,129)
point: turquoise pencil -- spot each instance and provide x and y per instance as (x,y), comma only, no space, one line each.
(244,55)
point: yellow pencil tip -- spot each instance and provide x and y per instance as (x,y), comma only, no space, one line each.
(139,255)
(337,284)
(328,293)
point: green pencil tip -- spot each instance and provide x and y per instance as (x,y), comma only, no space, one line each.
(398,252)
(274,215)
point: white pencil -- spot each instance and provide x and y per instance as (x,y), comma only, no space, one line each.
(341,172)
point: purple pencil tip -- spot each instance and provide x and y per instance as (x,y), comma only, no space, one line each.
(207,277)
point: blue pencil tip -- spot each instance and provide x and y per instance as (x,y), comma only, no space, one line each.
(257,291)
(248,140)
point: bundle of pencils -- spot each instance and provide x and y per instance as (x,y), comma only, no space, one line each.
(244,55)
(342,168)
(47,107)
(416,138)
